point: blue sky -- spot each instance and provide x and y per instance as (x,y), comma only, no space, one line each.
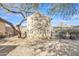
(16,18)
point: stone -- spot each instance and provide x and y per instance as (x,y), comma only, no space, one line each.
(38,50)
(44,53)
(38,26)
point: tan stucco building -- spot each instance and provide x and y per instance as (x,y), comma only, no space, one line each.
(2,28)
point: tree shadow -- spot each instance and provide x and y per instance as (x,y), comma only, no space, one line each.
(69,47)
(5,49)
(3,41)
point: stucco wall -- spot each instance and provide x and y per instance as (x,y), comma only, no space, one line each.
(2,28)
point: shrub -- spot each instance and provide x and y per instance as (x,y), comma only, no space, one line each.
(73,34)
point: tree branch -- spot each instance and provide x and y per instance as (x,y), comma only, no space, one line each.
(8,9)
(20,23)
(11,10)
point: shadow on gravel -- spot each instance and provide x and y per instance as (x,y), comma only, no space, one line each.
(3,41)
(5,49)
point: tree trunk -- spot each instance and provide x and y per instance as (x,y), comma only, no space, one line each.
(13,27)
(18,26)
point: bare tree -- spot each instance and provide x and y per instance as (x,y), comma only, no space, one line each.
(24,9)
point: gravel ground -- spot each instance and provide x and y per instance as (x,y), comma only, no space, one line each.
(47,48)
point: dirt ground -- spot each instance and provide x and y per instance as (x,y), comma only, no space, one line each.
(25,47)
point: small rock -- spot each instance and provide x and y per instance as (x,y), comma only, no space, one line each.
(38,50)
(40,46)
(52,53)
(44,53)
(50,44)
